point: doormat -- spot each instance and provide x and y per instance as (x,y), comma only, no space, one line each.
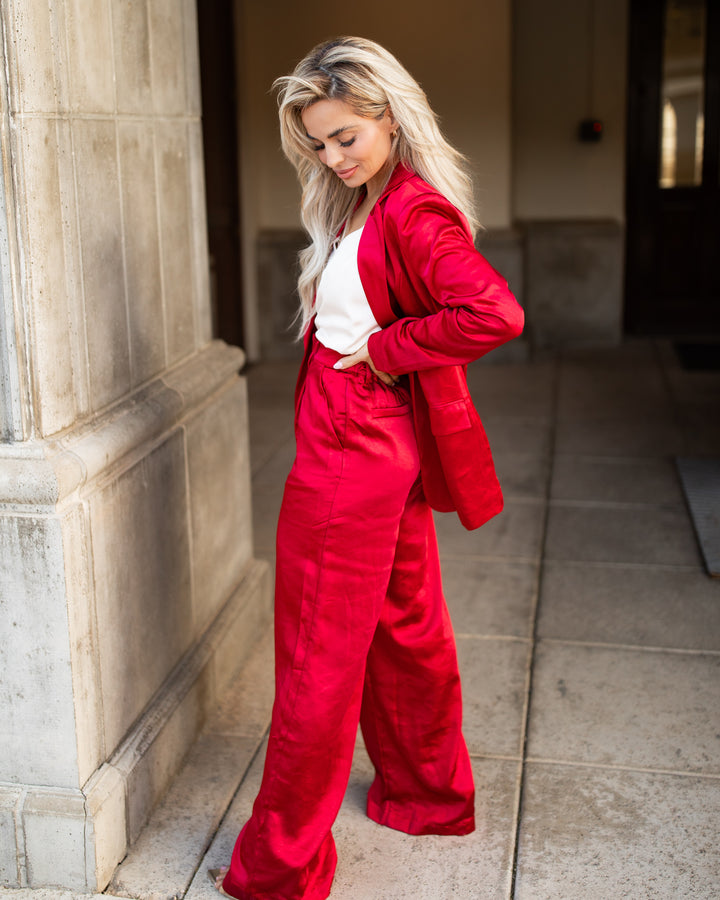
(698,357)
(701,482)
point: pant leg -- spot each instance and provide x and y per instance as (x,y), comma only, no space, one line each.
(356,463)
(412,706)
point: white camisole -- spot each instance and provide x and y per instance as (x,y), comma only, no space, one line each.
(344,319)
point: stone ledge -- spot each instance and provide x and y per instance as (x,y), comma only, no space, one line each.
(42,474)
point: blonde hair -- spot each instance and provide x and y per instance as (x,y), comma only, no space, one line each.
(368,78)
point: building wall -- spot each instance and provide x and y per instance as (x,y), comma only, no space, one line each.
(570,63)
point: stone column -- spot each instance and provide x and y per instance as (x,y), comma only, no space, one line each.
(128,588)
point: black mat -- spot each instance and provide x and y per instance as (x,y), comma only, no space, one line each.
(701,482)
(697,356)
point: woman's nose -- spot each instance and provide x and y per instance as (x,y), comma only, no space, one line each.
(333,156)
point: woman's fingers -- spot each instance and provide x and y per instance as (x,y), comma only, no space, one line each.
(363,355)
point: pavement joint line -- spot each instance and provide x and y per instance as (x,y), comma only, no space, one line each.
(618,767)
(530,662)
(613,504)
(506,638)
(681,651)
(597,564)
(503,757)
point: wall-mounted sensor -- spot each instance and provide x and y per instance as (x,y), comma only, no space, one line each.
(590,130)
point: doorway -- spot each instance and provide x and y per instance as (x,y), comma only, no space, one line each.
(673,169)
(220,114)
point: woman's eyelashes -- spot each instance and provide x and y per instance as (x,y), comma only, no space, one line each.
(343,144)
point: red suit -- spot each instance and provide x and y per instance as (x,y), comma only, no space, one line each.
(361,627)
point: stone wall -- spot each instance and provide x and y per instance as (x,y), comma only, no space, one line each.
(128,588)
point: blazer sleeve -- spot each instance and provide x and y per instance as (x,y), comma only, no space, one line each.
(465,307)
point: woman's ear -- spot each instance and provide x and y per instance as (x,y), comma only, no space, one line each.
(391,117)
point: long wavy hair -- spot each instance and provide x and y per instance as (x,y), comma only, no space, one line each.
(368,78)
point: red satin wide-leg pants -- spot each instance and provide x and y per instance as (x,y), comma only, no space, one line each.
(361,633)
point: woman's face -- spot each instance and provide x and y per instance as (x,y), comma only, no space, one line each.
(355,148)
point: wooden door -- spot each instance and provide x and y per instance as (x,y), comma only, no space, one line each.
(673,169)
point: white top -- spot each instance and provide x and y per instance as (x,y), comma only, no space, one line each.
(344,319)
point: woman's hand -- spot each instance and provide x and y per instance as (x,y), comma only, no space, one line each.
(360,356)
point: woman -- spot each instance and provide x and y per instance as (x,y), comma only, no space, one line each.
(395,300)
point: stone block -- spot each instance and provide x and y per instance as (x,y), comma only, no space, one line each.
(84,647)
(168,56)
(142,581)
(10,800)
(90,57)
(573,287)
(173,188)
(199,234)
(46,273)
(191,58)
(103,276)
(219,478)
(105,795)
(54,823)
(503,248)
(37,738)
(131,45)
(153,765)
(142,250)
(34,87)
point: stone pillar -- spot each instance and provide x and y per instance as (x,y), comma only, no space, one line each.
(128,588)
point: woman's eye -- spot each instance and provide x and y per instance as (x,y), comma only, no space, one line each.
(318,149)
(347,143)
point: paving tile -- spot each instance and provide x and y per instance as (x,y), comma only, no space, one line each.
(515,434)
(491,597)
(654,607)
(522,475)
(615,479)
(509,389)
(599,834)
(516,532)
(606,391)
(163,859)
(633,534)
(494,676)
(626,707)
(637,436)
(376,862)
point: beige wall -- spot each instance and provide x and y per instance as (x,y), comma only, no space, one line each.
(467,80)
(570,64)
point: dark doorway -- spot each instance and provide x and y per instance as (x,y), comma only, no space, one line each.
(673,168)
(218,79)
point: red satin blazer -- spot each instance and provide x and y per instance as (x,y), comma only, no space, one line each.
(441,305)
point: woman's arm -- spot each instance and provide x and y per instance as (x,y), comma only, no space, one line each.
(470,309)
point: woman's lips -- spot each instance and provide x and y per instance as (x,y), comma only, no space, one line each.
(346,173)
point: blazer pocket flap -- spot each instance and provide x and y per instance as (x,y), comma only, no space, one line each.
(450,418)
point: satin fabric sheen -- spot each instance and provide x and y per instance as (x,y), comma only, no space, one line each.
(362,633)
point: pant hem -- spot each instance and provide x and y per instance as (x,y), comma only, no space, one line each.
(409,824)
